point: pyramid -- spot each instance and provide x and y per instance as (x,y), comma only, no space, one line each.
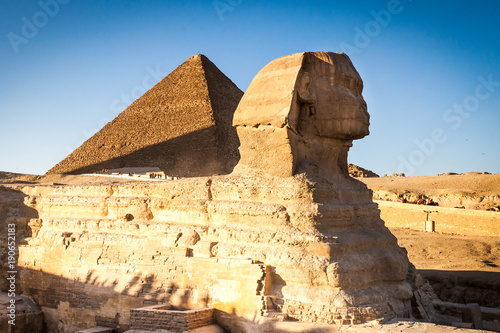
(183,125)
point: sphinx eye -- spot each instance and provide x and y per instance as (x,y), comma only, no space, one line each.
(349,82)
(353,85)
(358,86)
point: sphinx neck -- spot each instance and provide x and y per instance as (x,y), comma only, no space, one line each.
(321,158)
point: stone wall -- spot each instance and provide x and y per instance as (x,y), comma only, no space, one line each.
(86,264)
(159,317)
(24,314)
(446,220)
(338,316)
(446,197)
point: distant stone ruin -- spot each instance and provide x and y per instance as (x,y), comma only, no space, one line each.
(359,172)
(288,236)
(182,125)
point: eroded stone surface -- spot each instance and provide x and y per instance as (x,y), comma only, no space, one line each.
(300,114)
(270,247)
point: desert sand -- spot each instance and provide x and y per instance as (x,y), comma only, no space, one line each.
(461,269)
(471,183)
(472,190)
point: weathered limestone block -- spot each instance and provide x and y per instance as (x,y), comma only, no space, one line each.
(177,320)
(333,250)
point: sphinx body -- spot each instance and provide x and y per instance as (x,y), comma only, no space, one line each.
(296,123)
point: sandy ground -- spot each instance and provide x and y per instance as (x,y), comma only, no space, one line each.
(471,190)
(10,177)
(472,183)
(428,250)
(461,269)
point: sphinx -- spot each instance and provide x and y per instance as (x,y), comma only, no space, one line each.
(339,263)
(296,123)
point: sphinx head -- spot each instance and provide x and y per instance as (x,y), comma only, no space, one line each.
(300,115)
(328,101)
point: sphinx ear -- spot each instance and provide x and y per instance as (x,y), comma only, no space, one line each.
(304,88)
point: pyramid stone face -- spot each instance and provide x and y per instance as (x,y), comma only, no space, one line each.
(182,125)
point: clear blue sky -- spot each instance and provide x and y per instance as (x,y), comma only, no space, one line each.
(431,70)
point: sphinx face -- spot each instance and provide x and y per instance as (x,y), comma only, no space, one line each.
(331,104)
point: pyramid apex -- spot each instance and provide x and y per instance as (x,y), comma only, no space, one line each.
(198,56)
